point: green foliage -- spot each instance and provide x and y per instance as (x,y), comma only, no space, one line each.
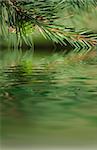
(62,21)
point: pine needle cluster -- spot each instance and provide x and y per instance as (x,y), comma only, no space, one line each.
(65,22)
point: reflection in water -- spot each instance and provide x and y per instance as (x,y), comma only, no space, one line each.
(46,100)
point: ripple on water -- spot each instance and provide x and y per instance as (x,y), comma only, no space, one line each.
(59,100)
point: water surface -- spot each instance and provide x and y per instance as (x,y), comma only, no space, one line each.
(47,99)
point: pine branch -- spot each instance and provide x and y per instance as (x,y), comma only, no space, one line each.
(21,17)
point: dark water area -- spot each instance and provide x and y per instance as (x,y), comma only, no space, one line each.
(47,99)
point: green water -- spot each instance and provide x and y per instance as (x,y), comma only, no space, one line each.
(47,100)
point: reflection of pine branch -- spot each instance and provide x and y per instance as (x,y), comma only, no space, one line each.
(20,17)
